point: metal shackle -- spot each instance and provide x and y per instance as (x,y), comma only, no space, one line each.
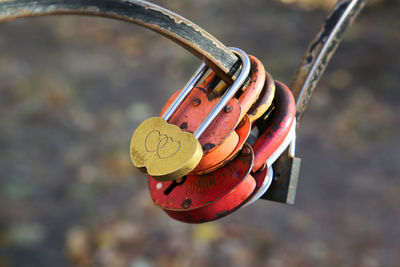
(230,93)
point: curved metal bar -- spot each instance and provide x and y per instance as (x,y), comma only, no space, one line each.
(180,30)
(320,51)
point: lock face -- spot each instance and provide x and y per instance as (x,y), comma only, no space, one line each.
(253,90)
(163,150)
(207,197)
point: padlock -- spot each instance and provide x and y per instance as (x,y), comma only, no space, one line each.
(265,99)
(277,130)
(164,150)
(202,198)
(224,137)
(257,110)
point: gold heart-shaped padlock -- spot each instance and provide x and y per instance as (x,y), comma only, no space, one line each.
(163,150)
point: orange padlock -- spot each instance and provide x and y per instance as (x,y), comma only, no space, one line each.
(265,99)
(256,111)
(223,137)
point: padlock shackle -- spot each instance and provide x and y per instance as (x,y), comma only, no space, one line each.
(185,91)
(230,92)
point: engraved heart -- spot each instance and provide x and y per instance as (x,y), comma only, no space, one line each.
(155,141)
(168,149)
(164,146)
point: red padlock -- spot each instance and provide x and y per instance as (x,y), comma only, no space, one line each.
(256,111)
(277,128)
(202,198)
(224,137)
(279,131)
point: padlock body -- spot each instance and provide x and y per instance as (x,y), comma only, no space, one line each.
(277,127)
(242,132)
(163,150)
(220,138)
(208,197)
(265,99)
(220,142)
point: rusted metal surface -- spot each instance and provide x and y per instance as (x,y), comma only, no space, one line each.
(178,29)
(320,51)
(253,90)
(220,139)
(265,99)
(243,132)
(274,131)
(163,150)
(203,198)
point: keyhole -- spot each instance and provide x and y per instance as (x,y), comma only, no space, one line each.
(174,184)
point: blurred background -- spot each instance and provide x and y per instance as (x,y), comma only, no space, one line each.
(73,89)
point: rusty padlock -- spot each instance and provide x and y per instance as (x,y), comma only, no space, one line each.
(226,135)
(278,131)
(202,198)
(164,150)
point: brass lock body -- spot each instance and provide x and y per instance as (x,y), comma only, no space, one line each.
(163,150)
